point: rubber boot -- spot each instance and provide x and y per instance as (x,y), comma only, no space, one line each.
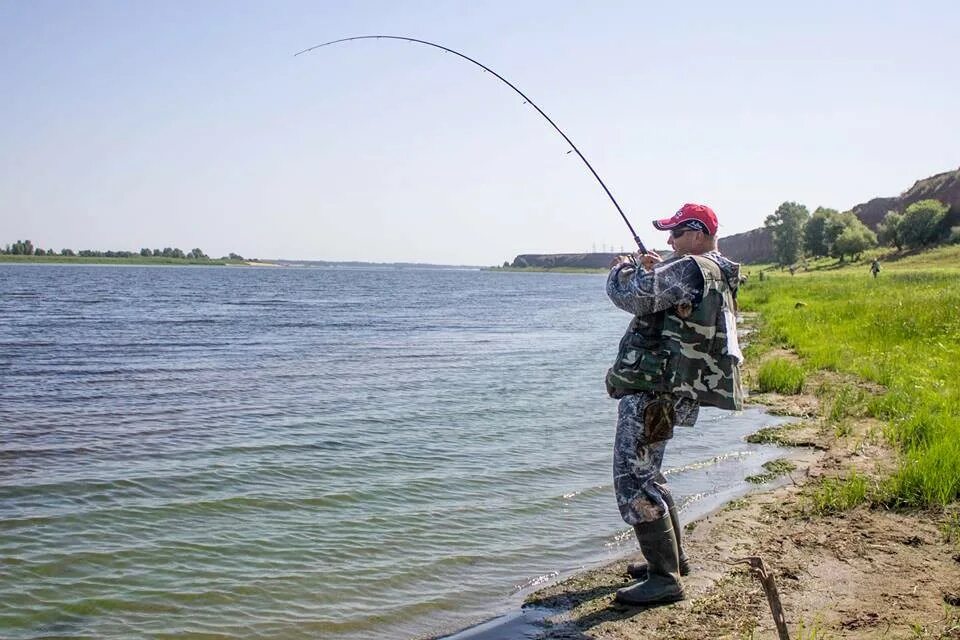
(638,570)
(659,547)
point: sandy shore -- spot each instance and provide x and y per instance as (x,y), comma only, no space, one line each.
(865,573)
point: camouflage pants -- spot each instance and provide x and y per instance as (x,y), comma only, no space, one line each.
(637,480)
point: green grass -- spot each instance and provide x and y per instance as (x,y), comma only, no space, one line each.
(843,402)
(767,435)
(815,631)
(951,529)
(780,375)
(773,469)
(733,505)
(833,495)
(902,331)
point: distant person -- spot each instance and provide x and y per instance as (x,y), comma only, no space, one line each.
(875,267)
(761,276)
(679,351)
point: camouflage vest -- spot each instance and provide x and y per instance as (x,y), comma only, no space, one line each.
(684,350)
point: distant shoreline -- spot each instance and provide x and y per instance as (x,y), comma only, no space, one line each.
(217,262)
(168,261)
(132,260)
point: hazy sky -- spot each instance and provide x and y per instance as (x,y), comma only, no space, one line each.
(191,124)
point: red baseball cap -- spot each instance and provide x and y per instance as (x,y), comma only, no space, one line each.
(694,216)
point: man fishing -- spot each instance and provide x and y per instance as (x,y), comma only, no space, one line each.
(680,351)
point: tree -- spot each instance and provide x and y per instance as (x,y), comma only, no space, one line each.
(67,252)
(855,235)
(921,223)
(787,227)
(146,253)
(834,226)
(853,241)
(197,254)
(814,232)
(889,230)
(950,222)
(22,248)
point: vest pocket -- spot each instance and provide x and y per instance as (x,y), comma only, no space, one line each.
(643,368)
(641,359)
(651,364)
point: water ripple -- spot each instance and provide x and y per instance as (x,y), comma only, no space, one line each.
(303,453)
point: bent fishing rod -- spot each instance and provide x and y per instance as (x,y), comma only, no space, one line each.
(639,242)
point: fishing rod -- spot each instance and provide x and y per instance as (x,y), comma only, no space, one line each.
(639,242)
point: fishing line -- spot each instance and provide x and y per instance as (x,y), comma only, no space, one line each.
(643,249)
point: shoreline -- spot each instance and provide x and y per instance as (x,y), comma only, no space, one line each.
(862,573)
(536,613)
(132,261)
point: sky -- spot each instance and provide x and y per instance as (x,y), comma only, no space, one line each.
(129,124)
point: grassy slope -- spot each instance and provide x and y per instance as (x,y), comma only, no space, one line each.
(902,331)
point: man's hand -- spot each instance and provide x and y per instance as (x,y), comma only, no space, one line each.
(645,260)
(649,259)
(619,260)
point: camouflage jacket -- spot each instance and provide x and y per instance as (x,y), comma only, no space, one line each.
(682,339)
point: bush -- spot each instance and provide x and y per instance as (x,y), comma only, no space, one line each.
(854,240)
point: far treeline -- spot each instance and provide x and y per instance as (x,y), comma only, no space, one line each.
(797,234)
(26,248)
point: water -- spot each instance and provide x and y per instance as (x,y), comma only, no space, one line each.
(310,453)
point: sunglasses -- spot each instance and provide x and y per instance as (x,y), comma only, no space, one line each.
(676,233)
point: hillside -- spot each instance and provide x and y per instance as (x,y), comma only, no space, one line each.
(944,187)
(757,245)
(564,260)
(748,247)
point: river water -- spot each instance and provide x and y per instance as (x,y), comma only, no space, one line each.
(311,452)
